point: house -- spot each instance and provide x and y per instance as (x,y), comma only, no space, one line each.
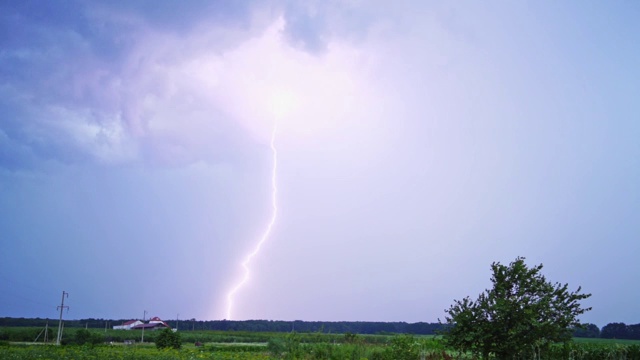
(156,320)
(127,325)
(153,324)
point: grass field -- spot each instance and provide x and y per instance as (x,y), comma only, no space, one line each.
(120,353)
(252,346)
(606,341)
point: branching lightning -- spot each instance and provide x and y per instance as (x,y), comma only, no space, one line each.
(267,232)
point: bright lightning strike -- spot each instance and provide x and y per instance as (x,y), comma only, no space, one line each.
(267,232)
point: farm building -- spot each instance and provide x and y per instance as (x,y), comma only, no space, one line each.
(150,326)
(156,320)
(127,325)
(154,323)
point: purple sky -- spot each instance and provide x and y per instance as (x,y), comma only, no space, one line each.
(420,142)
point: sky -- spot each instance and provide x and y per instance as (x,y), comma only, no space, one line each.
(417,142)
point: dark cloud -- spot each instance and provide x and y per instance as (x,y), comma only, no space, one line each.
(182,16)
(78,66)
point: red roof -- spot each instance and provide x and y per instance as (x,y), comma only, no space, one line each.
(130,322)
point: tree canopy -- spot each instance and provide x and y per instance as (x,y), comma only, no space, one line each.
(521,314)
(168,339)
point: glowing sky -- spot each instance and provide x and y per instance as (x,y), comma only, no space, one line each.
(418,142)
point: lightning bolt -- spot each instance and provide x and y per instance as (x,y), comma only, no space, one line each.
(267,232)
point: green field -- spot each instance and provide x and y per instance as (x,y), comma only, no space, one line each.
(119,352)
(606,341)
(249,345)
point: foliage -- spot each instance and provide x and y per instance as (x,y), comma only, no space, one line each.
(592,351)
(306,346)
(238,347)
(621,331)
(86,337)
(427,349)
(586,331)
(351,338)
(404,347)
(522,314)
(168,339)
(276,347)
(614,331)
(51,352)
(410,347)
(292,347)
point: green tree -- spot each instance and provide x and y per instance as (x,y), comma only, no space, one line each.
(522,314)
(615,331)
(586,331)
(168,339)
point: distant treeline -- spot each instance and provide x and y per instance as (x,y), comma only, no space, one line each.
(609,331)
(339,327)
(621,331)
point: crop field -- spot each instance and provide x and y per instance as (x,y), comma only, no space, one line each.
(253,346)
(120,352)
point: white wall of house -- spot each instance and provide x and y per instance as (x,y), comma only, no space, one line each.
(127,326)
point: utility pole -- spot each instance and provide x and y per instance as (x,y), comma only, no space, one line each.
(46,328)
(177,317)
(144,317)
(61,307)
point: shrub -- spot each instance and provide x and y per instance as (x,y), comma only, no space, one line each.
(276,347)
(168,339)
(86,337)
